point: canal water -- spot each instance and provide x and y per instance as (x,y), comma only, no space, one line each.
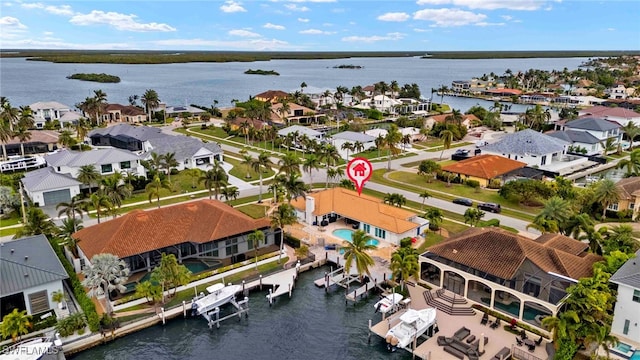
(311,325)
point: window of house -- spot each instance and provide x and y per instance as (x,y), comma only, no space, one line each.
(39,302)
(625,330)
(231,246)
(636,296)
(125,165)
(366,228)
(106,168)
(632,205)
(613,207)
(380,233)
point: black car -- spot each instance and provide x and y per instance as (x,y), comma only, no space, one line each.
(491,207)
(463,201)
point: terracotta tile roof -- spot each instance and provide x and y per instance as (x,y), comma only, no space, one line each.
(125,109)
(627,186)
(562,243)
(604,111)
(364,208)
(258,124)
(140,231)
(465,117)
(484,166)
(272,95)
(501,253)
(43,136)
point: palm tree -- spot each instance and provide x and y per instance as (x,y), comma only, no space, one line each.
(391,140)
(82,129)
(632,164)
(379,142)
(116,189)
(455,117)
(447,137)
(69,227)
(554,215)
(424,195)
(5,135)
(606,194)
(23,134)
(293,185)
(259,165)
(435,217)
(99,102)
(73,207)
(348,147)
(289,164)
(579,224)
(356,251)
(609,145)
(330,156)
(215,178)
(404,265)
(100,201)
(194,174)
(473,216)
(623,238)
(284,110)
(15,324)
(632,131)
(562,326)
(312,162)
(601,337)
(347,184)
(66,138)
(256,238)
(150,100)
(358,147)
(284,215)
(153,188)
(230,193)
(58,297)
(155,162)
(335,173)
(37,223)
(169,162)
(107,273)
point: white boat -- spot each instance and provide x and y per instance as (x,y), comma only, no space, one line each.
(219,294)
(413,323)
(22,163)
(388,302)
(32,349)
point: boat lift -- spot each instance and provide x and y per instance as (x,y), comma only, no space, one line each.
(213,316)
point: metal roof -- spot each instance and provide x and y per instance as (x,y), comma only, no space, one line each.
(354,136)
(302,130)
(28,262)
(142,133)
(47,179)
(592,123)
(95,157)
(629,273)
(184,147)
(526,142)
(45,105)
(574,136)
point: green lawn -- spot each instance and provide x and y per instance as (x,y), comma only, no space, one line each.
(454,227)
(431,239)
(13,219)
(7,232)
(432,142)
(253,210)
(453,146)
(241,171)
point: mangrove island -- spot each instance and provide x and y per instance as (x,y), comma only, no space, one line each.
(261,72)
(101,78)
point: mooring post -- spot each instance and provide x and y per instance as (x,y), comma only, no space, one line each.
(369,336)
(297,268)
(243,286)
(270,300)
(326,281)
(217,318)
(260,281)
(184,308)
(290,287)
(162,314)
(293,281)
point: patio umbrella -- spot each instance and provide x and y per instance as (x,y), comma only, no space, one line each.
(481,344)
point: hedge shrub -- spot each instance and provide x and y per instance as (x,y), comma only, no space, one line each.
(87,306)
(292,241)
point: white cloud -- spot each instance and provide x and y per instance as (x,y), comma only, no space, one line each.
(232,7)
(315,32)
(312,1)
(374,38)
(56,44)
(273,26)
(243,33)
(303,20)
(47,33)
(64,10)
(449,17)
(394,16)
(611,29)
(484,23)
(7,4)
(118,21)
(507,17)
(526,5)
(257,44)
(9,23)
(421,30)
(294,7)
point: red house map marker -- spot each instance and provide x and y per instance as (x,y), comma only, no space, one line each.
(359,171)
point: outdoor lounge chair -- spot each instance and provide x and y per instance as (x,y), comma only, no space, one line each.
(523,334)
(495,324)
(462,333)
(518,341)
(539,341)
(505,353)
(485,319)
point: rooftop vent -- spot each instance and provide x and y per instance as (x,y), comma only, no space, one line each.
(26,275)
(26,258)
(13,250)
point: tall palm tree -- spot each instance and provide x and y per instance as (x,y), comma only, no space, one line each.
(562,326)
(66,138)
(379,142)
(289,164)
(606,194)
(150,100)
(348,147)
(194,174)
(330,156)
(404,265)
(473,216)
(356,251)
(334,173)
(447,138)
(259,165)
(554,215)
(15,324)
(37,223)
(435,217)
(230,193)
(424,195)
(82,128)
(631,130)
(70,209)
(358,147)
(5,135)
(23,134)
(100,201)
(632,164)
(116,189)
(65,232)
(155,186)
(107,273)
(256,238)
(284,110)
(284,215)
(169,162)
(215,179)
(312,162)
(455,117)
(156,161)
(391,140)
(609,145)
(247,160)
(293,186)
(99,103)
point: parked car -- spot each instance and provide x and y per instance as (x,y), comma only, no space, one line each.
(462,152)
(491,207)
(481,143)
(463,201)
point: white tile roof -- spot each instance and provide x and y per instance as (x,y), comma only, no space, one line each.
(97,157)
(47,179)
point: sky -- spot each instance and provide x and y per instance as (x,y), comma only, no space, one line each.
(322,25)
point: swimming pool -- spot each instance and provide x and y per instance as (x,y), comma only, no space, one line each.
(347,235)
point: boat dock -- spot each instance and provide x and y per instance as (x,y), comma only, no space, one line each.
(282,283)
(387,323)
(213,317)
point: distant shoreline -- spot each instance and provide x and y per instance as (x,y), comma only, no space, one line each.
(170,57)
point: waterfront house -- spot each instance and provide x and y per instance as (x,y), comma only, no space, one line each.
(46,187)
(107,161)
(620,115)
(30,272)
(41,141)
(272,96)
(574,101)
(204,233)
(367,213)
(484,168)
(529,146)
(297,113)
(125,136)
(617,91)
(300,131)
(625,315)
(506,272)
(384,103)
(627,103)
(186,111)
(628,192)
(352,137)
(123,113)
(589,133)
(468,120)
(460,86)
(47,111)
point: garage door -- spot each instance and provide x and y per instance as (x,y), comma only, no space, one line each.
(56,197)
